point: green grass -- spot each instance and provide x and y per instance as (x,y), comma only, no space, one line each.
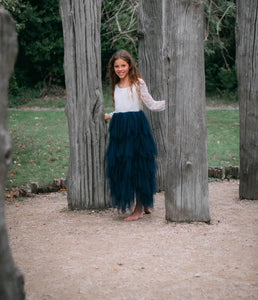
(223,137)
(222,98)
(47,102)
(54,98)
(40,144)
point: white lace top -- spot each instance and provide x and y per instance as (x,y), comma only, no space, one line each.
(126,99)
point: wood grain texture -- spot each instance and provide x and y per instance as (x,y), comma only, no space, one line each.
(11,280)
(150,32)
(247,75)
(85,113)
(187,168)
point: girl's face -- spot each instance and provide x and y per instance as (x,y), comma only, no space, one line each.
(121,68)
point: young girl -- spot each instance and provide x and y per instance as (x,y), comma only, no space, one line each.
(131,151)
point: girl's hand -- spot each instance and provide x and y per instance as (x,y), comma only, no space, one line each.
(107,117)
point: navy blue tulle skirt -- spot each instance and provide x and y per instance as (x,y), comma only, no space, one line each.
(130,160)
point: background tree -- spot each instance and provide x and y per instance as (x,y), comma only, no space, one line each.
(152,69)
(11,280)
(219,46)
(40,61)
(40,58)
(85,113)
(247,74)
(186,196)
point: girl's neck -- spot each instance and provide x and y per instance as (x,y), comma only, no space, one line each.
(124,82)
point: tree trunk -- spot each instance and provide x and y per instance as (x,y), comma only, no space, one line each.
(11,280)
(150,34)
(85,112)
(247,75)
(187,168)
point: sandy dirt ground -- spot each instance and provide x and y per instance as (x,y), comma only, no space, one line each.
(96,255)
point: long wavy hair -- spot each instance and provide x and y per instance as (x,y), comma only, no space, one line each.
(133,72)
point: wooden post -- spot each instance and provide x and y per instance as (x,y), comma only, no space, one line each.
(187,167)
(11,280)
(247,75)
(151,35)
(86,188)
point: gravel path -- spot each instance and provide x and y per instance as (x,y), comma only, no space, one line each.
(96,255)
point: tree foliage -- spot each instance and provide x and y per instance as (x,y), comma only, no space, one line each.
(40,60)
(219,45)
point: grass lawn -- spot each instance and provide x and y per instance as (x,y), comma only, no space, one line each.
(40,144)
(223,137)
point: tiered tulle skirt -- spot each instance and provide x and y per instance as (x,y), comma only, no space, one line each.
(130,160)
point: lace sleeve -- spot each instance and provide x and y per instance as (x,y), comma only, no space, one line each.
(149,101)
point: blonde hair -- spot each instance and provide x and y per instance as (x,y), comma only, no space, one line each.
(133,73)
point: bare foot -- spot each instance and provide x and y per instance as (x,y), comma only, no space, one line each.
(134,217)
(147,210)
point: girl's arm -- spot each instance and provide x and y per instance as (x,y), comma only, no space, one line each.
(149,101)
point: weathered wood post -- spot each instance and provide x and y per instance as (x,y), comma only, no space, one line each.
(187,167)
(247,75)
(151,35)
(85,112)
(11,280)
